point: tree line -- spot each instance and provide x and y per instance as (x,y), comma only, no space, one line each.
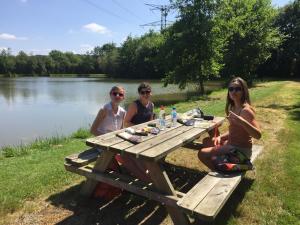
(210,39)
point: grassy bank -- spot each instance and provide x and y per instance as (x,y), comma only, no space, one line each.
(36,169)
(33,172)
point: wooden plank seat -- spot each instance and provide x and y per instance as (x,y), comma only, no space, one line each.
(209,195)
(126,182)
(83,158)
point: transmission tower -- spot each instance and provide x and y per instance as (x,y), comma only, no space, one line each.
(164,10)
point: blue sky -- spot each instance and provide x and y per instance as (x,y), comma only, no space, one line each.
(39,26)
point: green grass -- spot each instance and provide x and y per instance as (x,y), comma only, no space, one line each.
(290,183)
(37,145)
(274,196)
(81,133)
(33,171)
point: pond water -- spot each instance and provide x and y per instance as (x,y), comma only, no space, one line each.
(32,108)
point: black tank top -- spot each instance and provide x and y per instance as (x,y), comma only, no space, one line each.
(143,113)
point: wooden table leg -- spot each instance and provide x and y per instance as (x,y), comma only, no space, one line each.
(162,183)
(101,165)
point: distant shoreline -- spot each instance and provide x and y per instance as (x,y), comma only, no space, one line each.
(73,75)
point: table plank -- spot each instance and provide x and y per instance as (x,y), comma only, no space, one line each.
(118,145)
(104,144)
(137,149)
(96,141)
(165,147)
(109,139)
(125,145)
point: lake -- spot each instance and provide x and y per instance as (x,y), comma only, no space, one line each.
(32,108)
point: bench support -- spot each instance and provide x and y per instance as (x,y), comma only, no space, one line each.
(101,165)
(163,184)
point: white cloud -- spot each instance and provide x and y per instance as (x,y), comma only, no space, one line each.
(11,37)
(96,28)
(7,36)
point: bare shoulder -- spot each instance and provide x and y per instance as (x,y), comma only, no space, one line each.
(248,112)
(132,107)
(102,113)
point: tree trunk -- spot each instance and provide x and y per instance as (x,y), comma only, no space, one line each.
(201,87)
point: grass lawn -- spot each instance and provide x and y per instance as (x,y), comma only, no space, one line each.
(32,176)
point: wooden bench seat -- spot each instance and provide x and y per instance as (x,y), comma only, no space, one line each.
(126,182)
(208,196)
(83,158)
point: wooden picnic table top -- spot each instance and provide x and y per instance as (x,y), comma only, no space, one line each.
(153,147)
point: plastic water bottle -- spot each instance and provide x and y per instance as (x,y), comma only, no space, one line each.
(174,116)
(162,118)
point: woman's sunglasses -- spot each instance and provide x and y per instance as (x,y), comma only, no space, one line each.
(117,94)
(145,92)
(236,89)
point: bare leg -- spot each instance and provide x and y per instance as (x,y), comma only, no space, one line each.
(135,168)
(205,155)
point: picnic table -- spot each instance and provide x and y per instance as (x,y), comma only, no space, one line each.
(149,153)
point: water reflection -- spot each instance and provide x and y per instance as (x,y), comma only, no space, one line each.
(38,107)
(41,107)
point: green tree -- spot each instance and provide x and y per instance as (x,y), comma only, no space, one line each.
(73,62)
(106,58)
(251,35)
(127,57)
(148,62)
(22,63)
(86,65)
(7,62)
(40,68)
(193,48)
(139,57)
(288,55)
(60,61)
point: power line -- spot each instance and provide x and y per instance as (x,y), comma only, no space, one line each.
(126,9)
(104,10)
(164,10)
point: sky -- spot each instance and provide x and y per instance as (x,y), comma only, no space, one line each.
(39,26)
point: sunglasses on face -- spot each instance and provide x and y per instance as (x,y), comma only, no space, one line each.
(118,94)
(145,92)
(236,89)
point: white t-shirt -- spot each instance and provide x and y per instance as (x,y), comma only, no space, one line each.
(112,121)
